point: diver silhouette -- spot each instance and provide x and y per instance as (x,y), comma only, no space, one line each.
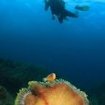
(58,9)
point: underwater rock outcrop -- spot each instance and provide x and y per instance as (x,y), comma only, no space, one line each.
(51,91)
(97,96)
(5,97)
(14,75)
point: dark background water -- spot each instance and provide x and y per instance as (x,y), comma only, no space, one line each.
(74,49)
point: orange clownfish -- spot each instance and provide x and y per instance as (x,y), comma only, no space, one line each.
(51,77)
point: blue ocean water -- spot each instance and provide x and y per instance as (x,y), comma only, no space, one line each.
(74,49)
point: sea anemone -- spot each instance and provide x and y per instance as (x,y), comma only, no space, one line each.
(54,92)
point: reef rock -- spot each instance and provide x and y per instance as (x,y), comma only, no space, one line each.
(5,97)
(14,75)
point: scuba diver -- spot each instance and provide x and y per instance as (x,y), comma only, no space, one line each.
(58,9)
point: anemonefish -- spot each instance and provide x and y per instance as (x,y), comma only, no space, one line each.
(51,77)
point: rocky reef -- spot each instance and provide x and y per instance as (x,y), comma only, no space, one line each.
(14,75)
(5,97)
(98,95)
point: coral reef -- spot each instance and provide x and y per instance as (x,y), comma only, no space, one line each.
(51,92)
(97,96)
(14,75)
(5,97)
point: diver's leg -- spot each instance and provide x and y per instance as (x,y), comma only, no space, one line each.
(53,15)
(60,19)
(71,14)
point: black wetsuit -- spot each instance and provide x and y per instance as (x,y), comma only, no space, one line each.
(57,8)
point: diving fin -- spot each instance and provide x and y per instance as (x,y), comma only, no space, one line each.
(82,8)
